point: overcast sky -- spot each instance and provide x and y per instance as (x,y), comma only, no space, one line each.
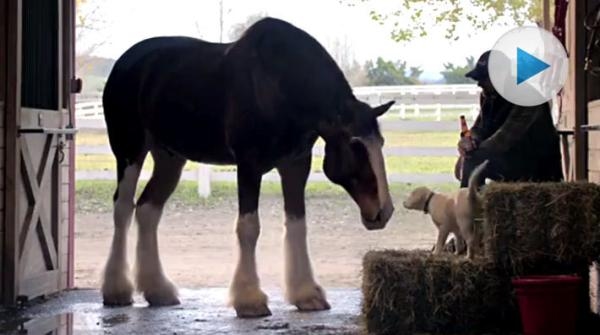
(129,21)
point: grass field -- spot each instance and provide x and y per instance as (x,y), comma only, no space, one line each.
(424,164)
(89,162)
(97,195)
(392,139)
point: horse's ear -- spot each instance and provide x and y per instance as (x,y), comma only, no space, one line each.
(380,110)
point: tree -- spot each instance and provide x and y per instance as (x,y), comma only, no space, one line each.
(456,74)
(384,72)
(414,18)
(415,73)
(238,29)
(356,74)
(342,52)
(90,35)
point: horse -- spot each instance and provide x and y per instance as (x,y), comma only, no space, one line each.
(259,103)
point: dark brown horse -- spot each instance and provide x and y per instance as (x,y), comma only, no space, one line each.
(259,103)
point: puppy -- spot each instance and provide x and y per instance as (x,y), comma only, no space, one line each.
(451,213)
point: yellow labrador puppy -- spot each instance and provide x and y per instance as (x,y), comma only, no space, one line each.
(450,213)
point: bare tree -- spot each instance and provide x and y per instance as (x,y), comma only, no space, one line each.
(90,35)
(342,52)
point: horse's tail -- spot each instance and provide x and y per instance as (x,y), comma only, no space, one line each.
(474,183)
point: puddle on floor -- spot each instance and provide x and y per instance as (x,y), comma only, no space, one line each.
(58,324)
(201,312)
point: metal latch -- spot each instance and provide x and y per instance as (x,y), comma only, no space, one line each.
(42,130)
(590,127)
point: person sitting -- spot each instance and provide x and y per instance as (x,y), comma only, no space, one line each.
(521,143)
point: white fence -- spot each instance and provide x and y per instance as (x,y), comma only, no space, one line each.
(205,176)
(418,98)
(415,101)
(424,101)
(89,110)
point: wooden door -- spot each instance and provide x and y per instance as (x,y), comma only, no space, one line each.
(36,234)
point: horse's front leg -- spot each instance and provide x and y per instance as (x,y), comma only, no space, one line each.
(246,296)
(301,288)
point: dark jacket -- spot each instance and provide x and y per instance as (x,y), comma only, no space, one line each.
(522,140)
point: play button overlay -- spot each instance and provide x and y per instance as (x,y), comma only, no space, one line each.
(528,66)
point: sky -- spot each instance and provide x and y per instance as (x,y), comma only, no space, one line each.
(125,22)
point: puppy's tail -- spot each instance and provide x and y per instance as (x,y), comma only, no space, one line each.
(474,183)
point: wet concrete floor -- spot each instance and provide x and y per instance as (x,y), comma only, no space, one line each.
(202,311)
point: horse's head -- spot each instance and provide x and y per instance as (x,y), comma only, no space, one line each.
(354,160)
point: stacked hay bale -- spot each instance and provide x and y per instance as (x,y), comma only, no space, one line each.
(527,229)
(409,291)
(542,228)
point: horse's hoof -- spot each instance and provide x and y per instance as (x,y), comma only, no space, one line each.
(313,304)
(118,293)
(164,294)
(312,299)
(156,299)
(252,311)
(249,302)
(162,298)
(117,300)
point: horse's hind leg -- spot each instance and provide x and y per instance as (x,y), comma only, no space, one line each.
(117,288)
(150,278)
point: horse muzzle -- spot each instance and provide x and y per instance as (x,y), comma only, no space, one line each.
(381,219)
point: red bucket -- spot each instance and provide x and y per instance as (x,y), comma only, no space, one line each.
(548,304)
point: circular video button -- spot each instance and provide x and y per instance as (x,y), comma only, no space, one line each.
(528,66)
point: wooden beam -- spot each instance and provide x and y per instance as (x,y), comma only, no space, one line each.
(69,67)
(13,105)
(578,8)
(547,24)
(2,55)
(3,8)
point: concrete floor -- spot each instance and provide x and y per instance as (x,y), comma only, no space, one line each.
(202,312)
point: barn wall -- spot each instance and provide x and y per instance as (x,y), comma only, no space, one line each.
(574,109)
(593,95)
(567,101)
(594,142)
(567,117)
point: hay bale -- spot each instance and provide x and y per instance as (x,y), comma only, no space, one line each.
(543,228)
(414,291)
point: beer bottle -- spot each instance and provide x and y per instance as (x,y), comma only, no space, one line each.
(464,132)
(464,128)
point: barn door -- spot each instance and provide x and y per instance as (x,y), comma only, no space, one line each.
(39,247)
